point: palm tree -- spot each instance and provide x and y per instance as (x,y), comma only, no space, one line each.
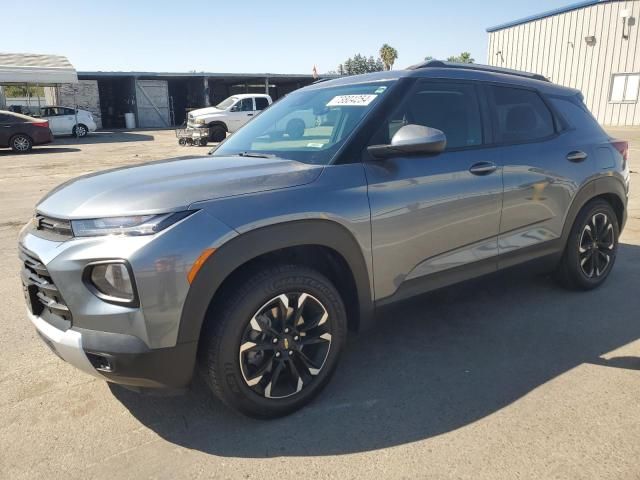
(388,55)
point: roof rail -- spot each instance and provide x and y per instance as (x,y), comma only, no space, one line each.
(478,67)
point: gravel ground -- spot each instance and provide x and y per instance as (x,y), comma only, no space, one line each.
(505,377)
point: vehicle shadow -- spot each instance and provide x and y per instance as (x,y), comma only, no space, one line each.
(39,150)
(104,137)
(434,364)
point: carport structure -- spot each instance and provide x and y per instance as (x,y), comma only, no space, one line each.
(30,69)
(163,99)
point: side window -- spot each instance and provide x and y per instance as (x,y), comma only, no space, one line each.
(450,107)
(261,103)
(246,105)
(520,115)
(67,111)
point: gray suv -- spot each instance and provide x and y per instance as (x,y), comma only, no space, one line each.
(254,262)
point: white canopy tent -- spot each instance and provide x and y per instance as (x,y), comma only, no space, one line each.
(36,69)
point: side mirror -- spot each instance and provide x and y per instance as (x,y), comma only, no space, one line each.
(235,108)
(411,140)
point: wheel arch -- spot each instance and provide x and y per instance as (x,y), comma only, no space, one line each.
(218,123)
(303,242)
(610,189)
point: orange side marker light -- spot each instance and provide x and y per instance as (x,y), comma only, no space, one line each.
(197,265)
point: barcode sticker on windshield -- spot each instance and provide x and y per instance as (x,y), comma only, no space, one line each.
(351,100)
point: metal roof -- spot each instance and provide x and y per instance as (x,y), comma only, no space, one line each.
(21,68)
(549,13)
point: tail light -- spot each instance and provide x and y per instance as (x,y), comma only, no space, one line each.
(623,147)
(44,124)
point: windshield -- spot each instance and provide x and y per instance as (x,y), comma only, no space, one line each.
(223,105)
(308,125)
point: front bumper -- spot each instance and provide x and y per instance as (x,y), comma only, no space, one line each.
(118,358)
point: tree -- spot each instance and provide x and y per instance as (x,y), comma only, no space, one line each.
(464,57)
(388,55)
(428,59)
(360,64)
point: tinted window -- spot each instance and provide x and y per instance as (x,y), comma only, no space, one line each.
(576,114)
(68,111)
(521,115)
(261,103)
(246,105)
(452,108)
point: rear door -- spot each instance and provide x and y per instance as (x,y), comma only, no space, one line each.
(540,181)
(435,213)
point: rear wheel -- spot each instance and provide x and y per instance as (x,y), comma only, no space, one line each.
(592,247)
(275,342)
(80,130)
(21,143)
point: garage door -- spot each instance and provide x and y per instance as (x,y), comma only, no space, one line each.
(152,97)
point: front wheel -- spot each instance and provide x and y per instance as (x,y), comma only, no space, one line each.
(273,345)
(592,247)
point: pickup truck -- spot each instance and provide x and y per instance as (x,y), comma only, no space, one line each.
(229,115)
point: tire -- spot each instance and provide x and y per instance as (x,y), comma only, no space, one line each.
(203,142)
(21,143)
(217,133)
(295,128)
(80,131)
(246,342)
(182,142)
(591,248)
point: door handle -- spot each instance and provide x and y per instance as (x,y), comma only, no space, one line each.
(576,156)
(483,168)
(249,114)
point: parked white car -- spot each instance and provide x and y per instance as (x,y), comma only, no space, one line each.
(62,121)
(229,115)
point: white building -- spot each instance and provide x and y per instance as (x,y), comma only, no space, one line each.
(592,46)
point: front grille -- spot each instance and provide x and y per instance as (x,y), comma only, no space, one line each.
(47,302)
(53,228)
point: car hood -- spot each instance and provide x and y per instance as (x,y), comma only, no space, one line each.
(171,185)
(205,111)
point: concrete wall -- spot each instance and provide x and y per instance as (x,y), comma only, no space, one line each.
(86,97)
(556,48)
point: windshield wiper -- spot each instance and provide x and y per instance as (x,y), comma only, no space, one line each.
(256,155)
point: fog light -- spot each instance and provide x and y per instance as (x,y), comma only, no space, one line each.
(113,282)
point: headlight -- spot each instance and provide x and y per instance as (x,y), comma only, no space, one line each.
(111,281)
(200,121)
(133,225)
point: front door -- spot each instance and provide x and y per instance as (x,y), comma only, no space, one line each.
(431,214)
(241,113)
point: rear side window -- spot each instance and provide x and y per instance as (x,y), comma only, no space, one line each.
(520,115)
(575,113)
(261,103)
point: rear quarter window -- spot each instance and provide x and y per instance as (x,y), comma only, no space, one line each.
(576,114)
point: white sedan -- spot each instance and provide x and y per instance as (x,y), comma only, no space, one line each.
(62,121)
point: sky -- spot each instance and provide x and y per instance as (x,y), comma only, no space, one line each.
(279,36)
